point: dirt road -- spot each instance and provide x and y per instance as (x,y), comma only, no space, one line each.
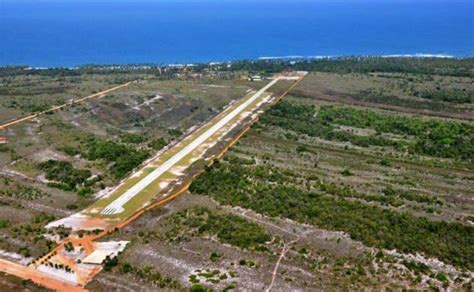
(58,107)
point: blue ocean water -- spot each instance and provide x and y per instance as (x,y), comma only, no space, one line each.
(75,32)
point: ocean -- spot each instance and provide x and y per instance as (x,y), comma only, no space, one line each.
(46,33)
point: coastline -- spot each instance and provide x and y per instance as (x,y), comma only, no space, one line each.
(288,58)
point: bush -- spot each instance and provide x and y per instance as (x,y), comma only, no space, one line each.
(442,277)
(228,228)
(175,132)
(126,268)
(449,95)
(146,273)
(63,172)
(157,144)
(84,192)
(385,162)
(417,267)
(199,288)
(346,172)
(133,138)
(301,148)
(71,207)
(4,223)
(124,158)
(109,263)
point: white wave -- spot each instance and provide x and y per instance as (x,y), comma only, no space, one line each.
(320,57)
(293,57)
(418,55)
(280,57)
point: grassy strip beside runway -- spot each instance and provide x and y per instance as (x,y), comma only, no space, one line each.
(195,145)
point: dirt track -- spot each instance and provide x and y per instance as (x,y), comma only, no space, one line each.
(58,107)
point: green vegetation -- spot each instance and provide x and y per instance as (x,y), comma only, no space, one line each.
(18,190)
(69,247)
(31,232)
(13,155)
(124,158)
(133,138)
(346,172)
(452,67)
(71,207)
(174,132)
(31,106)
(4,223)
(418,268)
(4,148)
(148,274)
(385,162)
(266,192)
(439,66)
(215,256)
(287,166)
(305,120)
(411,196)
(449,95)
(447,139)
(248,263)
(65,176)
(433,137)
(211,276)
(199,288)
(43,218)
(59,72)
(442,277)
(228,228)
(157,144)
(389,196)
(109,263)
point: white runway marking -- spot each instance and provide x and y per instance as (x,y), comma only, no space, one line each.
(117,205)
